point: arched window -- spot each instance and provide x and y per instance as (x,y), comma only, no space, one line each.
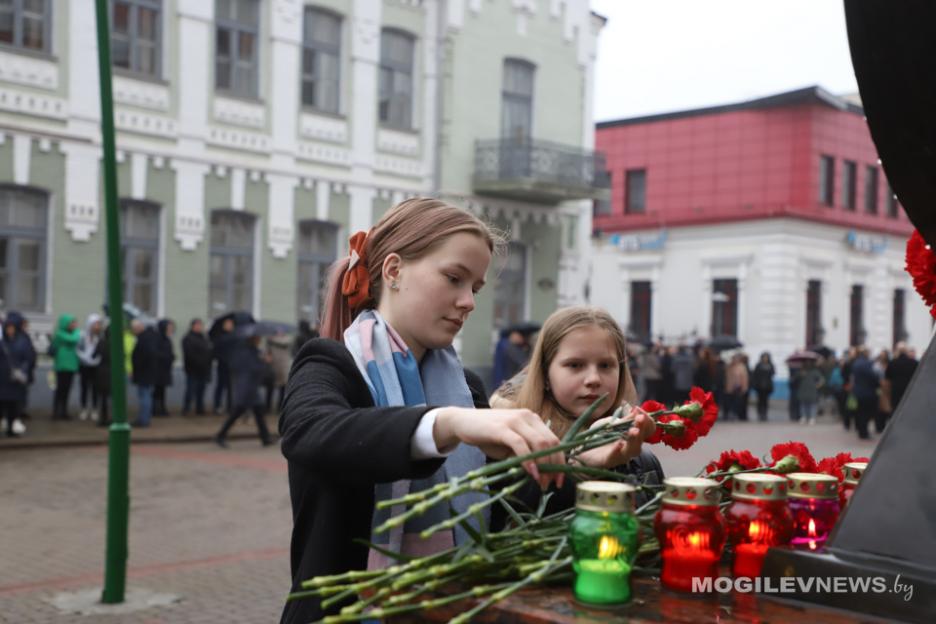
(232,262)
(23,240)
(318,249)
(139,253)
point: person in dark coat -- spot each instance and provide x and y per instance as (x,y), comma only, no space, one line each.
(899,372)
(166,356)
(305,334)
(14,374)
(864,384)
(197,354)
(248,368)
(763,384)
(22,330)
(224,343)
(103,377)
(145,363)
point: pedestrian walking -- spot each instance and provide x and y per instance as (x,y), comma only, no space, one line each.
(165,356)
(248,366)
(899,373)
(224,343)
(88,362)
(356,423)
(64,350)
(197,355)
(279,348)
(810,381)
(762,380)
(145,361)
(683,372)
(864,386)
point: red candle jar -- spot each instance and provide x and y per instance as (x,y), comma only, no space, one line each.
(757,518)
(853,472)
(813,500)
(691,531)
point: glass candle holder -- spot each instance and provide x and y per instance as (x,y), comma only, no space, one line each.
(757,518)
(691,531)
(603,538)
(853,472)
(814,502)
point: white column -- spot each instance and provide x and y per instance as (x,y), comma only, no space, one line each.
(196,55)
(365,56)
(430,86)
(82,208)
(362,207)
(280,223)
(83,94)
(189,202)
(286,37)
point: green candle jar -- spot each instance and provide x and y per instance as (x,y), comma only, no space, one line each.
(603,537)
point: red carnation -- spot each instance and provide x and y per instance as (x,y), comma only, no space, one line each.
(679,441)
(792,457)
(833,465)
(733,461)
(650,407)
(709,410)
(921,265)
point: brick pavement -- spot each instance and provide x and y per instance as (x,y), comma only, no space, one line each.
(209,525)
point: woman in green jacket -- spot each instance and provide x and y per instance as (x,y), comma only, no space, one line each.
(64,350)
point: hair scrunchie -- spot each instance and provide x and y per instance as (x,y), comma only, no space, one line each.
(355,285)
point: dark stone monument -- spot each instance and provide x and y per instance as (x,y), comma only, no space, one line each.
(889,527)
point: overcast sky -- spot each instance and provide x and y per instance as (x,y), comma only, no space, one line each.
(656,56)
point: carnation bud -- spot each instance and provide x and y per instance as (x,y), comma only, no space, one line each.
(787,464)
(674,427)
(691,410)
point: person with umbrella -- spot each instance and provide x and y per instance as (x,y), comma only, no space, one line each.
(247,368)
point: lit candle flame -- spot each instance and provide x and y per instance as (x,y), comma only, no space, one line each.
(811,530)
(692,541)
(609,547)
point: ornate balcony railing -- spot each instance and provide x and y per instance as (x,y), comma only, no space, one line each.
(539,171)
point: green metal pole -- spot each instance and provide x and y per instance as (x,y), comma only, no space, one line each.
(118,484)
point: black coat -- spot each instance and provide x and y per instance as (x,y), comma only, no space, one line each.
(102,372)
(15,354)
(165,357)
(247,371)
(197,354)
(338,445)
(145,358)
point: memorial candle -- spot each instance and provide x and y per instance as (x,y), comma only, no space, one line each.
(757,519)
(603,538)
(853,472)
(691,531)
(814,503)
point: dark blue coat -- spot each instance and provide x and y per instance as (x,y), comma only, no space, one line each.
(15,354)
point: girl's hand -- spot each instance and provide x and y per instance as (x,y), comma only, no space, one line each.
(501,433)
(622,451)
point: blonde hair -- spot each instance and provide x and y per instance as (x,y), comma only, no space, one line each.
(413,228)
(528,388)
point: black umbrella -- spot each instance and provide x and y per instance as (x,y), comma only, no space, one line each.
(265,328)
(240,318)
(724,343)
(822,350)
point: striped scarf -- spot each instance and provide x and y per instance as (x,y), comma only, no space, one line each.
(395,378)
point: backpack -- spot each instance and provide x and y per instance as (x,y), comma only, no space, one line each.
(835,379)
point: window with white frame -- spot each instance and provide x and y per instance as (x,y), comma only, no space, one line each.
(26,24)
(321,59)
(23,239)
(237,29)
(231,263)
(136,35)
(139,253)
(317,250)
(510,293)
(517,101)
(395,79)
(724,307)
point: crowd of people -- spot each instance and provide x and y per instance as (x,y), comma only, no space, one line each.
(84,354)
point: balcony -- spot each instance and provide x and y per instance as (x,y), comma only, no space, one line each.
(539,171)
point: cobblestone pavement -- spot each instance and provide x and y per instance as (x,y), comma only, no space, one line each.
(208,525)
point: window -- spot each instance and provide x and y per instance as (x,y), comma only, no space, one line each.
(827,180)
(725,307)
(135,35)
(871,190)
(856,329)
(814,331)
(640,311)
(23,221)
(237,24)
(139,253)
(231,264)
(849,185)
(321,60)
(317,250)
(26,24)
(635,191)
(517,101)
(899,321)
(395,88)
(510,293)
(893,206)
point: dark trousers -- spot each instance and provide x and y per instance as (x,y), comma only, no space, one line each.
(87,376)
(223,389)
(194,393)
(63,384)
(159,401)
(104,411)
(763,398)
(237,412)
(880,420)
(867,410)
(270,391)
(9,411)
(794,406)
